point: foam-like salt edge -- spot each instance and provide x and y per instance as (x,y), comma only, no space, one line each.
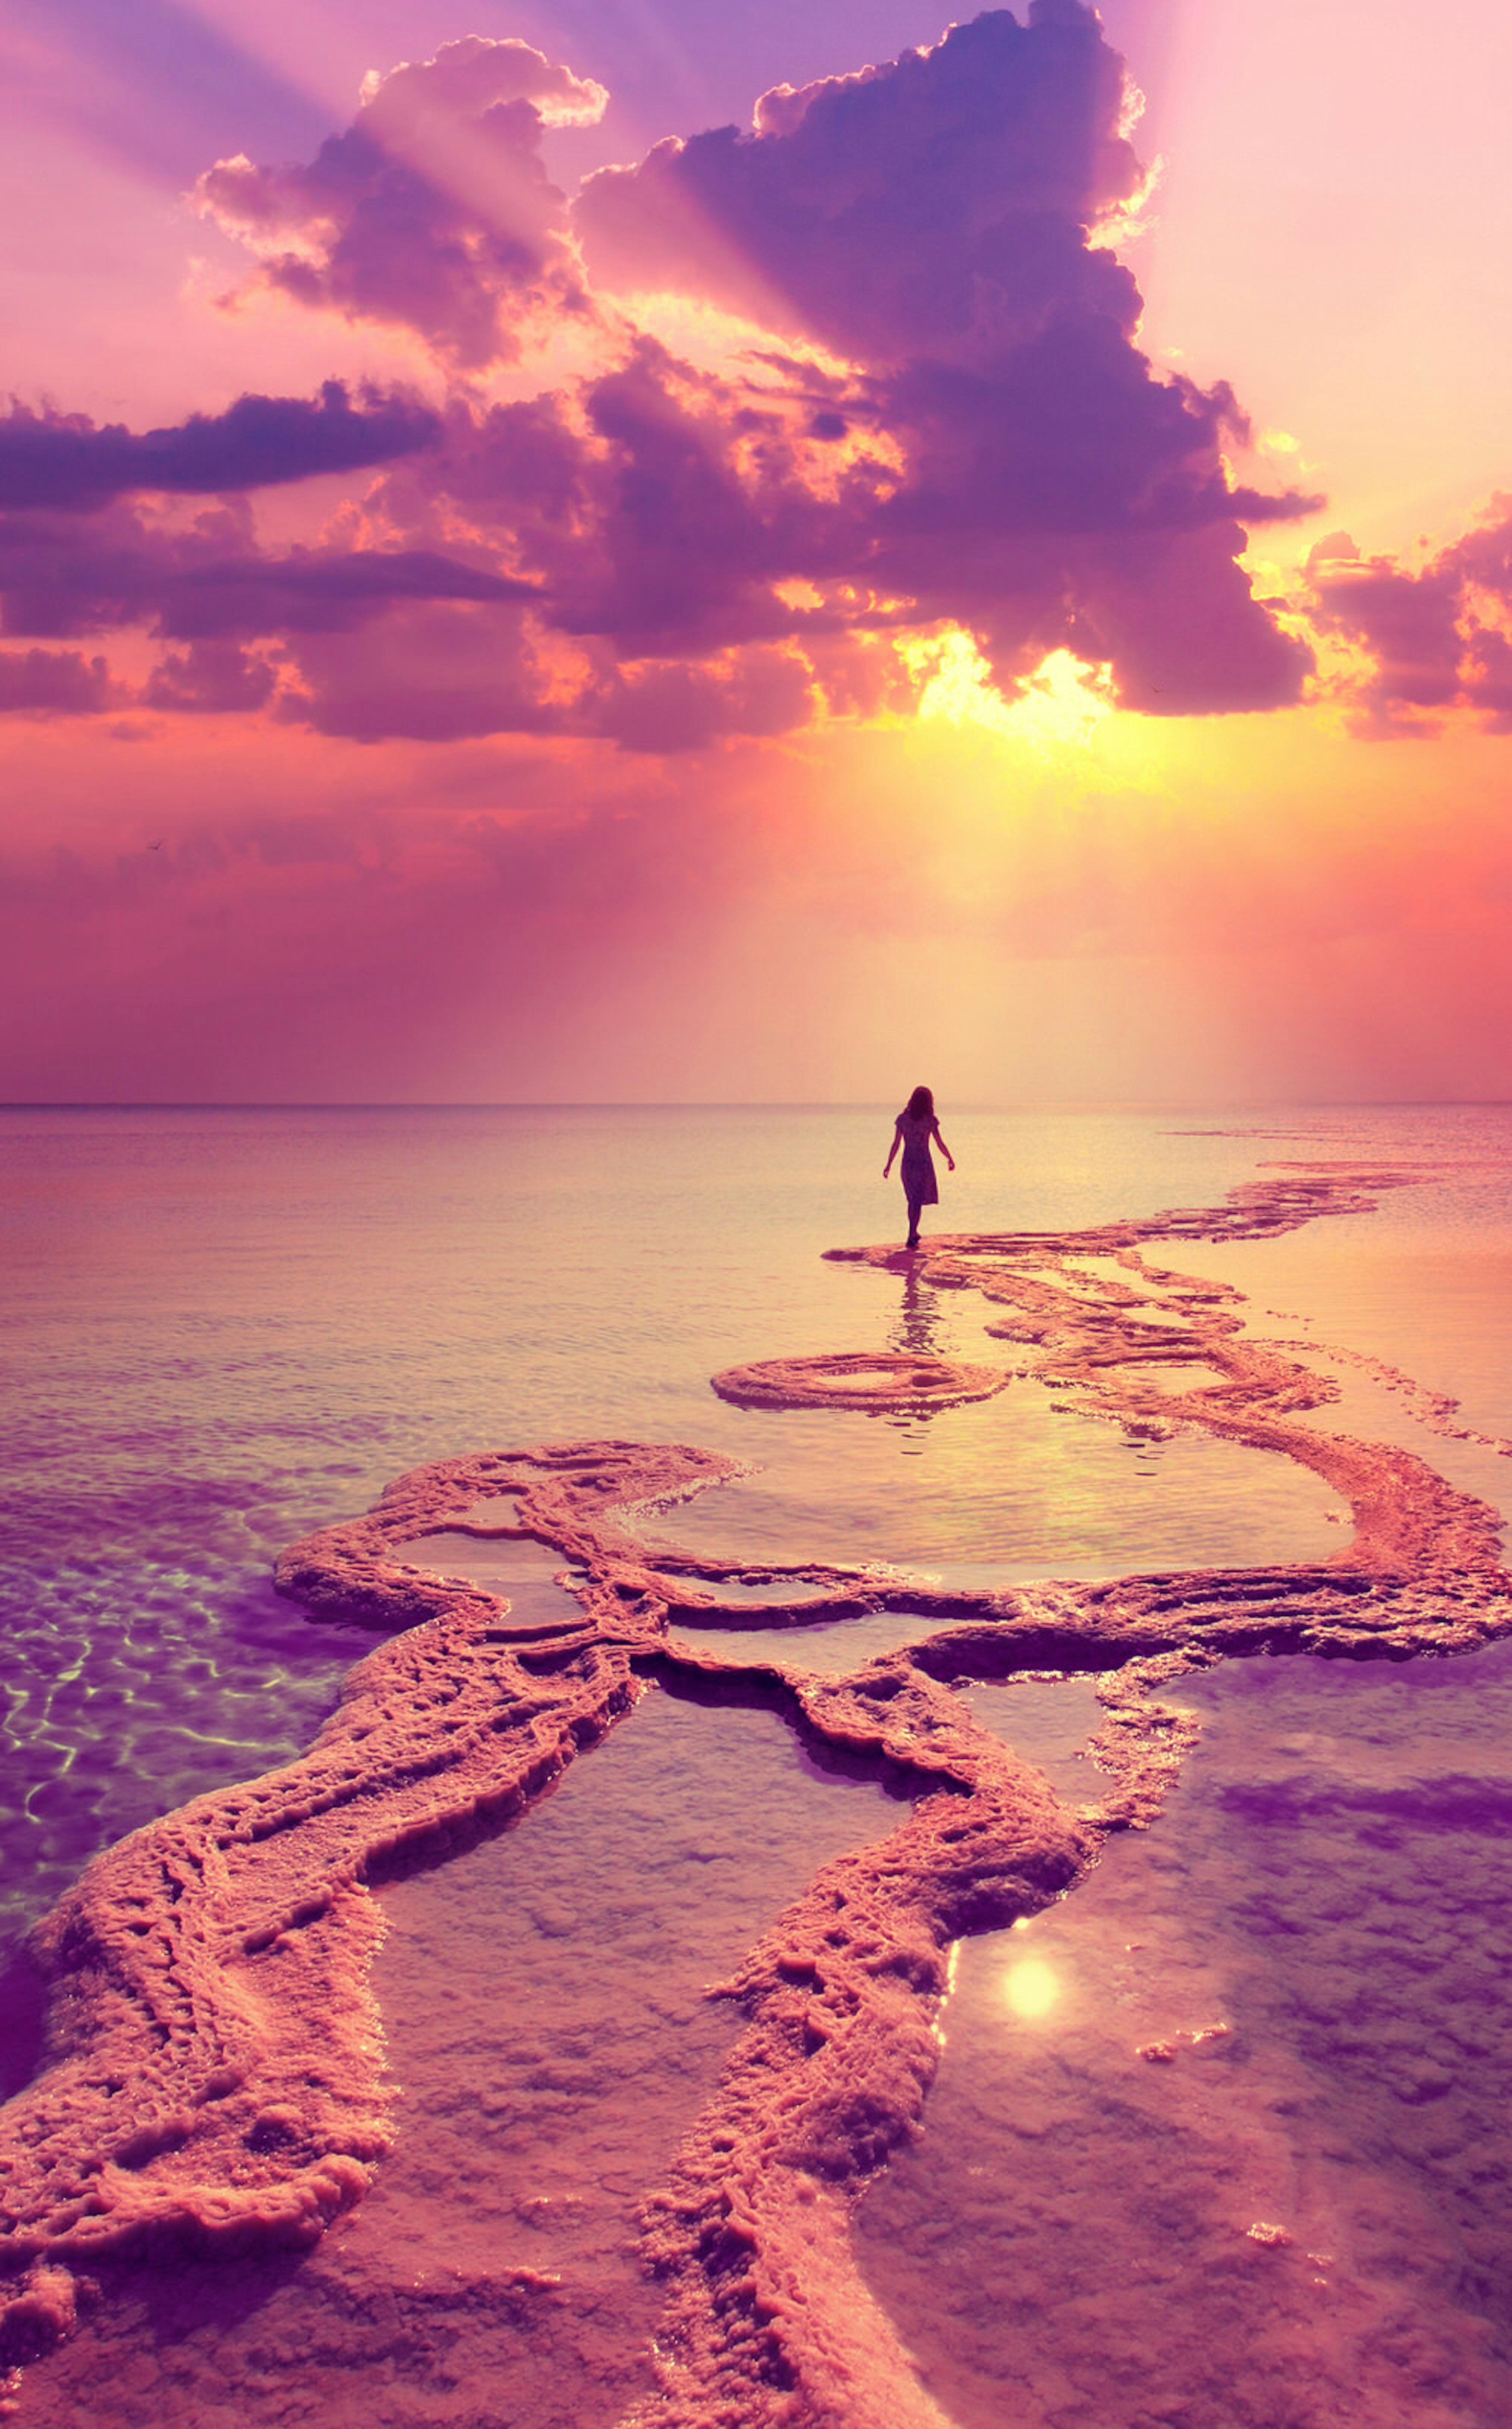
(214,2067)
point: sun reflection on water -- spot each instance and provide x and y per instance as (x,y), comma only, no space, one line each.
(1031,1988)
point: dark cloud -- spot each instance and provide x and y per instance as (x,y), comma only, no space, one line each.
(1437,635)
(54,682)
(928,223)
(1068,501)
(431,673)
(754,691)
(933,207)
(63,462)
(210,679)
(950,424)
(61,576)
(316,591)
(432,210)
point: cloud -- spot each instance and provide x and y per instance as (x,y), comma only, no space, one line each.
(944,419)
(210,679)
(756,691)
(929,223)
(54,682)
(434,674)
(61,576)
(433,210)
(1439,637)
(316,591)
(65,463)
(937,206)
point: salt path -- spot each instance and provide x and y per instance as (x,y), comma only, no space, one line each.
(215,2088)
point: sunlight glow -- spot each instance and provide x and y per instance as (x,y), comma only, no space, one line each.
(1062,706)
(1031,1988)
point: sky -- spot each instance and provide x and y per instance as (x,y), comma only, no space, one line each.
(639,551)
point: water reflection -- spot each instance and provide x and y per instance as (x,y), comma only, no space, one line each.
(918,1332)
(1031,1988)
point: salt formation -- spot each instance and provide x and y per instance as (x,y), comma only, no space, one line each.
(891,1379)
(213,2070)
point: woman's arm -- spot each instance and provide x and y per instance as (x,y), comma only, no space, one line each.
(943,1148)
(897,1142)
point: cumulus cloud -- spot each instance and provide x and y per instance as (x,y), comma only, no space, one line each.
(937,206)
(929,224)
(63,462)
(433,209)
(210,679)
(1438,637)
(755,691)
(53,683)
(947,422)
(431,673)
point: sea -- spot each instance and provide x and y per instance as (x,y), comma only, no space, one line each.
(227,1326)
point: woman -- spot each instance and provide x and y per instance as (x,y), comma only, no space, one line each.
(915,1127)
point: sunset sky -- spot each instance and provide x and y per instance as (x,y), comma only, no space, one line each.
(644,549)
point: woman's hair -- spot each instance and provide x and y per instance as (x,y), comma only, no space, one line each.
(920,1104)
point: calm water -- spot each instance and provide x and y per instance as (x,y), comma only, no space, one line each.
(227,1327)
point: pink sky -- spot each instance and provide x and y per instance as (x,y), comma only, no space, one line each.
(765,614)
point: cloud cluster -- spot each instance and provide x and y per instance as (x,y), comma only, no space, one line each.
(55,683)
(947,424)
(433,210)
(1438,637)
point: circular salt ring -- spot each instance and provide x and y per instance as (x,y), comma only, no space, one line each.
(885,1380)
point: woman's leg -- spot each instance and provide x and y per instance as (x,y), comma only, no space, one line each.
(914,1206)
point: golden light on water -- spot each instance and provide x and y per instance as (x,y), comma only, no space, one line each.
(1031,1988)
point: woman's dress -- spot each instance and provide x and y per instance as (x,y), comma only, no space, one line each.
(918,1172)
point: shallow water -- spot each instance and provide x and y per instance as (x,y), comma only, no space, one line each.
(550,2035)
(1331,1885)
(1048,1722)
(228,1327)
(1044,1491)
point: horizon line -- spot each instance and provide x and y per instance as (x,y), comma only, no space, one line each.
(726,1104)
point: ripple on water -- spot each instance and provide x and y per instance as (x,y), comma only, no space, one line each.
(128,1690)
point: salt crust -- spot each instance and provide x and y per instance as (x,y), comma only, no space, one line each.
(852,1379)
(213,2072)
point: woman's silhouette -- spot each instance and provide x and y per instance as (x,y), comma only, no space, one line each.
(915,1127)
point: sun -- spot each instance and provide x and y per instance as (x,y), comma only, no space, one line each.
(1060,707)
